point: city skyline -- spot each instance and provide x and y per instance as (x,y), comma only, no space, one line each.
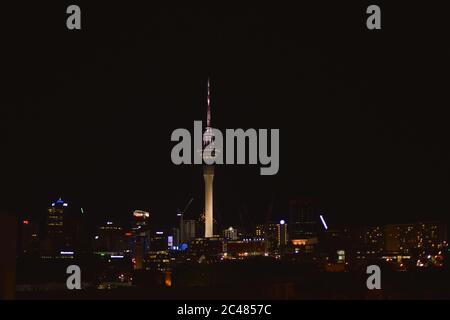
(355,171)
(309,213)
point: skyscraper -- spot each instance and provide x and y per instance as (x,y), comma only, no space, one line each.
(189,230)
(58,236)
(282,233)
(303,218)
(110,239)
(141,231)
(55,218)
(208,171)
(28,237)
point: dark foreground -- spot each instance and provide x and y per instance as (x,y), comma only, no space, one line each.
(253,280)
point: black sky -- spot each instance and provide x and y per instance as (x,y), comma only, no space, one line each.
(87,115)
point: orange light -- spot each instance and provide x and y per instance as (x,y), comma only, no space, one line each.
(128,234)
(168,279)
(299,242)
(26,222)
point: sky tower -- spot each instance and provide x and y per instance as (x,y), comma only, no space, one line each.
(208,171)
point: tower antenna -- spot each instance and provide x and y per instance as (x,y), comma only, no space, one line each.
(208,103)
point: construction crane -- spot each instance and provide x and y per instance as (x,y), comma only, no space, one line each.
(181,214)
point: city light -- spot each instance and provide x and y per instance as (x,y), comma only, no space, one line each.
(282,222)
(117,257)
(323,222)
(168,279)
(67,253)
(26,222)
(141,214)
(298,242)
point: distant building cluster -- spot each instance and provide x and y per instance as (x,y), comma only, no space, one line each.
(303,237)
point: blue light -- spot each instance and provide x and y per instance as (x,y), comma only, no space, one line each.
(183,246)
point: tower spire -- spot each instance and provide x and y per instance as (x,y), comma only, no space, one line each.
(208,102)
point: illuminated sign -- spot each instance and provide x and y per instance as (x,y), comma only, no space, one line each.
(299,242)
(141,214)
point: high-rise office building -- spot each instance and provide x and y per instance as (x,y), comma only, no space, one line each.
(189,230)
(110,239)
(282,234)
(230,233)
(271,237)
(159,254)
(303,218)
(176,237)
(141,221)
(29,237)
(275,236)
(55,218)
(58,237)
(141,237)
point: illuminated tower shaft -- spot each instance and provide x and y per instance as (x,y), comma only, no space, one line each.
(208,174)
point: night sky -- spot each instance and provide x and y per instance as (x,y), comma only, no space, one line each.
(87,115)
